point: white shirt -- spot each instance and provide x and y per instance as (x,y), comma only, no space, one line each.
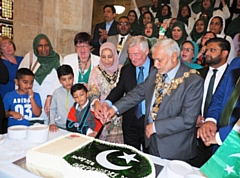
(219,75)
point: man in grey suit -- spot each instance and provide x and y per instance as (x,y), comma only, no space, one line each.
(119,40)
(173,94)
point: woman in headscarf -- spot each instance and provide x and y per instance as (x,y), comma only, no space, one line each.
(43,61)
(184,15)
(165,15)
(103,79)
(147,17)
(199,29)
(156,8)
(207,6)
(217,25)
(151,34)
(135,28)
(83,61)
(179,33)
(189,53)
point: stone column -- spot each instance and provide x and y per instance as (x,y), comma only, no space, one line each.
(60,20)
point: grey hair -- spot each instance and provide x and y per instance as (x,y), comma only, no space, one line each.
(135,40)
(169,45)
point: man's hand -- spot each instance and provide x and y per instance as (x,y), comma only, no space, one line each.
(149,130)
(103,34)
(200,121)
(98,113)
(53,128)
(207,131)
(109,114)
(212,140)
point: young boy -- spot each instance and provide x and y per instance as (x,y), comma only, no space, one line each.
(62,101)
(80,119)
(22,104)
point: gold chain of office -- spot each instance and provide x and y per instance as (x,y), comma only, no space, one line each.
(167,88)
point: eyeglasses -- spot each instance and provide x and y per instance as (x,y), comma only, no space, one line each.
(82,47)
(187,49)
(123,23)
(212,50)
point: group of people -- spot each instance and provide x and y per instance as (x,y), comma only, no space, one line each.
(157,91)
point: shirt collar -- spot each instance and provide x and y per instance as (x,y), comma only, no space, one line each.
(109,23)
(78,108)
(171,74)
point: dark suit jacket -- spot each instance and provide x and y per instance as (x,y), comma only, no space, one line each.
(127,82)
(3,80)
(95,42)
(175,122)
(221,97)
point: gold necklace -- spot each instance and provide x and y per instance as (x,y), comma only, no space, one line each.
(110,79)
(167,87)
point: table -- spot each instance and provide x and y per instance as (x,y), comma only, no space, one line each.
(13,150)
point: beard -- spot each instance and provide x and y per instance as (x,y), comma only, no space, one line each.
(213,61)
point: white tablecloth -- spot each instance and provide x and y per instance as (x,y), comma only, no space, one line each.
(13,150)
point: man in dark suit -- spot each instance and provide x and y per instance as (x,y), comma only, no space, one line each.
(132,124)
(217,61)
(224,110)
(104,29)
(173,94)
(119,40)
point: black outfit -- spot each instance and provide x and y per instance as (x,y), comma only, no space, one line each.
(204,152)
(95,42)
(3,80)
(133,128)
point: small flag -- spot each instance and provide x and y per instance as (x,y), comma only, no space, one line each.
(226,160)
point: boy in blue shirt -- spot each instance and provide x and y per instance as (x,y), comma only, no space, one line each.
(22,104)
(62,100)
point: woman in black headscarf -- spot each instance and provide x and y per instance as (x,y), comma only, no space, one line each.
(199,28)
(135,27)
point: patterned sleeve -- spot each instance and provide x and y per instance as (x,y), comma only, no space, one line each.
(93,90)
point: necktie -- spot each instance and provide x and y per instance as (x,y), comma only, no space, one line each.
(140,79)
(119,48)
(158,93)
(227,112)
(209,92)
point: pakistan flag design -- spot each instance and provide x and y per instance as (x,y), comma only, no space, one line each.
(115,161)
(226,161)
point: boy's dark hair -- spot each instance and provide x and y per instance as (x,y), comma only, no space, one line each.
(78,86)
(112,7)
(64,70)
(22,72)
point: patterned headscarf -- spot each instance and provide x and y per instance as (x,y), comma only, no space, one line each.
(114,67)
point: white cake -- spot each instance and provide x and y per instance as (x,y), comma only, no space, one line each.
(76,155)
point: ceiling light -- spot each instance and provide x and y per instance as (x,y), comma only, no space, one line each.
(119,9)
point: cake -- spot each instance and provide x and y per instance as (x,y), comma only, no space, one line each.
(77,155)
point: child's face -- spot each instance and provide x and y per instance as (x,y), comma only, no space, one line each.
(80,97)
(66,81)
(24,84)
(107,57)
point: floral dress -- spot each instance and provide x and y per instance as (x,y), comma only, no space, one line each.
(100,84)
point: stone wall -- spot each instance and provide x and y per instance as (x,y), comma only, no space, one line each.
(60,20)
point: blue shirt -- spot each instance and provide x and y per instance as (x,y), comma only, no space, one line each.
(20,103)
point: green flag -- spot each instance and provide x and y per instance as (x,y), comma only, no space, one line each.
(226,161)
